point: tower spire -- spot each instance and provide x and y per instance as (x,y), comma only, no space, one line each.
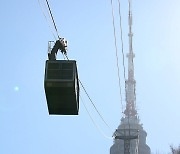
(130,82)
(130,137)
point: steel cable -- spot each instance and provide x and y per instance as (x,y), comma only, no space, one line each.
(95,106)
(93,121)
(117,59)
(122,43)
(46,19)
(52,19)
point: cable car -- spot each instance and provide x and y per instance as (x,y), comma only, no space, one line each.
(61,85)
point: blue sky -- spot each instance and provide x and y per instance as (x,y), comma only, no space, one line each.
(26,127)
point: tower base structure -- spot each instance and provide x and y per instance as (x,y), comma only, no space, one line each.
(129,128)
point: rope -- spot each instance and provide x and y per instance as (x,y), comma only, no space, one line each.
(122,44)
(52,18)
(46,19)
(50,12)
(95,106)
(117,59)
(93,121)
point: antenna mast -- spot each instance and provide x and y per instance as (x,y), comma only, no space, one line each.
(130,83)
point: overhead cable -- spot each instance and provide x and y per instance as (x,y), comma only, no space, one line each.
(46,19)
(52,18)
(93,121)
(122,44)
(95,106)
(117,59)
(50,12)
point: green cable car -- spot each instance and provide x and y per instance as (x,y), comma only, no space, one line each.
(61,84)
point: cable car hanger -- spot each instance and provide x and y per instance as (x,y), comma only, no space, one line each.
(61,45)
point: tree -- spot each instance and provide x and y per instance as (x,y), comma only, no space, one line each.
(175,150)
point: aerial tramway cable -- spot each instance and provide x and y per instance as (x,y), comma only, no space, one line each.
(122,42)
(54,24)
(46,19)
(95,106)
(117,59)
(94,122)
(50,12)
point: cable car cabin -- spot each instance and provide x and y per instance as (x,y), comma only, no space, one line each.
(62,87)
